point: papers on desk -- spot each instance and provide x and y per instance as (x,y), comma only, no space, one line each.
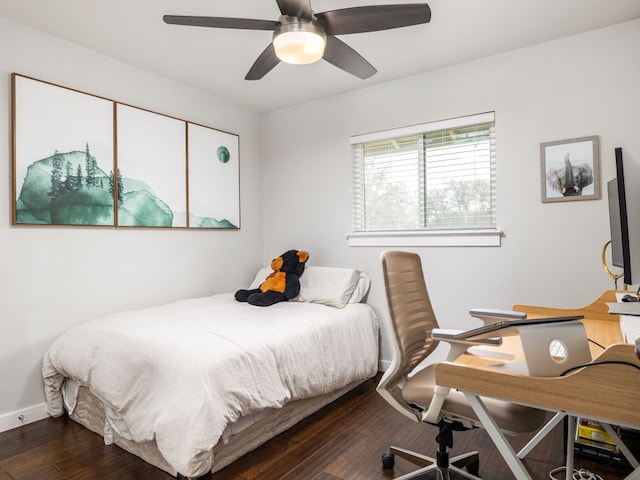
(624,308)
(630,328)
(629,318)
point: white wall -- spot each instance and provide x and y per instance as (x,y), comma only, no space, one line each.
(583,85)
(52,278)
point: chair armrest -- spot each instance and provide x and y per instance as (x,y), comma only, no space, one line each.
(460,345)
(492,315)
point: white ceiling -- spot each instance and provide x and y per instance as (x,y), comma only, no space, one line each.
(216,60)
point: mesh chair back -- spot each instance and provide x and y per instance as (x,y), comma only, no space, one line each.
(409,307)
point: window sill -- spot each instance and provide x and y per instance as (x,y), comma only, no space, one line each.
(438,238)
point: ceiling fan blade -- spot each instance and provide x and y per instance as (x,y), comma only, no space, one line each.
(296,8)
(373,18)
(343,56)
(263,64)
(221,22)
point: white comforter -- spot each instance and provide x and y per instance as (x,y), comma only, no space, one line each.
(180,373)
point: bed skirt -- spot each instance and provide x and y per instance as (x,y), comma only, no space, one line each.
(241,438)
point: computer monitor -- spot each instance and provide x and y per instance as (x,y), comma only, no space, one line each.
(624,216)
(617,258)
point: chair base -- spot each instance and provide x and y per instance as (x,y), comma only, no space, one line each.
(430,464)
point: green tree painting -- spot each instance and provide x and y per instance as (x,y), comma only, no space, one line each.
(51,194)
(65,169)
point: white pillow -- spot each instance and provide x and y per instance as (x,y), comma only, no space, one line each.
(315,283)
(261,276)
(361,289)
(328,285)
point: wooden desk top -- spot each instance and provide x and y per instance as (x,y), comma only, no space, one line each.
(601,326)
(606,392)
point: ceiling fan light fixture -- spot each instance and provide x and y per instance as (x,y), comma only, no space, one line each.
(299,42)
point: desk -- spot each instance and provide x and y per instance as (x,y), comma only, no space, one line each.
(601,326)
(615,401)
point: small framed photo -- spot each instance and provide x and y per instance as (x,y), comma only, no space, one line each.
(570,169)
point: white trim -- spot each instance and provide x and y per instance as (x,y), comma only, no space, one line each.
(440,238)
(424,127)
(383,365)
(11,420)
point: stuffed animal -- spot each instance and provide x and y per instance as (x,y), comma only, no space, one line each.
(282,284)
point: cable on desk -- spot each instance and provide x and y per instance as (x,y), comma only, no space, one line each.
(581,474)
(597,344)
(604,362)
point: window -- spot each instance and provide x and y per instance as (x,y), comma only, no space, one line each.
(435,179)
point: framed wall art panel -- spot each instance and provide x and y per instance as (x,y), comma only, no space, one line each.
(214,178)
(79,159)
(63,155)
(570,169)
(152,169)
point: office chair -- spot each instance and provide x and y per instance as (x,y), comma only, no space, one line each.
(415,394)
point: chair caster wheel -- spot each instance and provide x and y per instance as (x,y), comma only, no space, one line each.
(388,460)
(474,467)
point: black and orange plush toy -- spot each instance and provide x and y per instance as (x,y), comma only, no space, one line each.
(282,284)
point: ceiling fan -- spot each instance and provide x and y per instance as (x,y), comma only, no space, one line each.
(302,36)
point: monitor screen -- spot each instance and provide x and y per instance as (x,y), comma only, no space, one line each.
(624,216)
(617,258)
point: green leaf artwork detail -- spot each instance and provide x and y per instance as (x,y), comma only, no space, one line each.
(57,190)
(223,154)
(71,189)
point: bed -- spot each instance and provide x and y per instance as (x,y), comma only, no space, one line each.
(193,385)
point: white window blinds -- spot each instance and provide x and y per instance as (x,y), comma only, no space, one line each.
(438,176)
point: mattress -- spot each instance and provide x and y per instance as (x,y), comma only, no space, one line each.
(182,379)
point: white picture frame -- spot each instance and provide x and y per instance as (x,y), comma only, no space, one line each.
(570,169)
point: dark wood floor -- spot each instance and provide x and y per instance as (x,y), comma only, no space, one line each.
(343,441)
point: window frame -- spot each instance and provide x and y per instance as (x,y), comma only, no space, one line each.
(490,237)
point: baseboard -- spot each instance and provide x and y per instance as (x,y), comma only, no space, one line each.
(383,365)
(11,420)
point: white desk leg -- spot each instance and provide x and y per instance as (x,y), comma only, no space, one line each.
(499,440)
(571,435)
(557,418)
(623,448)
(635,475)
